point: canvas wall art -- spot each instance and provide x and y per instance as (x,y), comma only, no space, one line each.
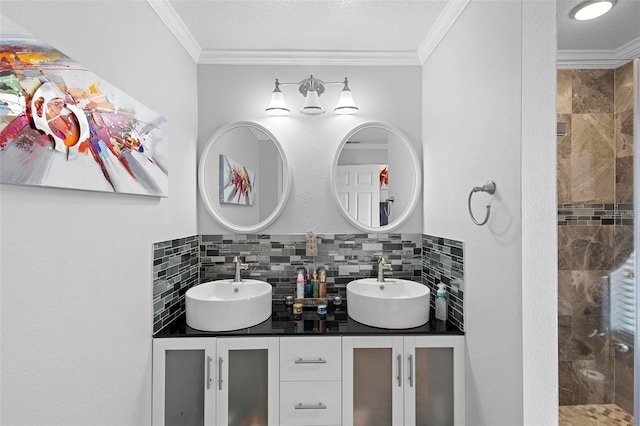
(63,126)
(237,183)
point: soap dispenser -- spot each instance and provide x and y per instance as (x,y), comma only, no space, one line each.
(300,286)
(441,303)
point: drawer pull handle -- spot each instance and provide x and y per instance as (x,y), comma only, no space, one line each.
(399,358)
(301,406)
(208,372)
(310,361)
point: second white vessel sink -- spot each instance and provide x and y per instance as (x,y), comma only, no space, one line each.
(394,303)
(225,305)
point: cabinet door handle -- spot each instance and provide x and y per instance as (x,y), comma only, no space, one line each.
(208,372)
(310,361)
(411,370)
(301,406)
(220,373)
(399,359)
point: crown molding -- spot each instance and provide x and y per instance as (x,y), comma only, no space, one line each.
(171,19)
(598,59)
(300,57)
(443,24)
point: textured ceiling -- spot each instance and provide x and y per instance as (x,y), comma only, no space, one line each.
(306,25)
(609,32)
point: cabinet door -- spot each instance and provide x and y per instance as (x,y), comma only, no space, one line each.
(248,381)
(372,381)
(434,380)
(183,381)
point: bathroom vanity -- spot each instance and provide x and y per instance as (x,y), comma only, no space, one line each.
(309,370)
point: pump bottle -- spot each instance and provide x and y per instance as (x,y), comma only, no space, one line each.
(300,286)
(441,303)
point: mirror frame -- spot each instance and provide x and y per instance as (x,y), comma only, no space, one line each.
(286,179)
(415,163)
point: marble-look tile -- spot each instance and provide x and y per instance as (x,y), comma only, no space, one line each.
(591,247)
(592,179)
(623,244)
(623,133)
(591,387)
(564,142)
(565,235)
(563,176)
(587,297)
(587,338)
(624,180)
(624,380)
(566,383)
(593,133)
(565,293)
(592,91)
(564,90)
(623,87)
(565,327)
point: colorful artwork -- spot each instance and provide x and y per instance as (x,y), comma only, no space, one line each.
(384,176)
(237,183)
(63,126)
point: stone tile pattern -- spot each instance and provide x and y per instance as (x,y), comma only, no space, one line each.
(594,415)
(175,269)
(595,229)
(276,258)
(443,262)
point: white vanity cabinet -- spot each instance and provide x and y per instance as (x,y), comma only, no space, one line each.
(410,380)
(310,380)
(183,381)
(247,381)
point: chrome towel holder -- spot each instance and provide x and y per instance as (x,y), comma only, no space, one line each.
(490,188)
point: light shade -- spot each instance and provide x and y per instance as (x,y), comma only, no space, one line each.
(346,105)
(592,9)
(277,106)
(312,104)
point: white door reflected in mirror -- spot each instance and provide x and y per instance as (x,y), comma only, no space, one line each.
(243,176)
(376,177)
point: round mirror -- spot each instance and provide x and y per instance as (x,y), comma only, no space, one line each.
(376,177)
(244,177)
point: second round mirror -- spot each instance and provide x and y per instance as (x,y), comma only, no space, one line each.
(376,177)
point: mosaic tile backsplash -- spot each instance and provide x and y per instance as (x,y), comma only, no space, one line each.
(180,264)
(175,269)
(443,262)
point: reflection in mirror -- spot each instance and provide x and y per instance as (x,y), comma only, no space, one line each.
(243,176)
(376,177)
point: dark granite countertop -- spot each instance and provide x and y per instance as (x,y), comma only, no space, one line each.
(336,323)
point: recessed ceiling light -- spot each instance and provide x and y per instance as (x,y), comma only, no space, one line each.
(591,9)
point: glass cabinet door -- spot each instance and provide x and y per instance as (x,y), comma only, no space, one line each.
(434,391)
(372,381)
(248,381)
(182,381)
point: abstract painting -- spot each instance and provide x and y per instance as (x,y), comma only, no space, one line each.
(62,126)
(237,183)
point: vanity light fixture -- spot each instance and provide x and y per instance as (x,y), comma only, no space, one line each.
(591,9)
(311,88)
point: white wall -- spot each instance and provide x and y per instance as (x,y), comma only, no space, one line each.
(232,93)
(488,96)
(75,266)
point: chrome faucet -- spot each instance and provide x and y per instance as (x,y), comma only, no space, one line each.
(239,266)
(382,265)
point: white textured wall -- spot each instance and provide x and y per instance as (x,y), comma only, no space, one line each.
(75,266)
(483,111)
(232,93)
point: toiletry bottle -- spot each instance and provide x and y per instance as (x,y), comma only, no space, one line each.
(441,303)
(300,286)
(322,291)
(316,284)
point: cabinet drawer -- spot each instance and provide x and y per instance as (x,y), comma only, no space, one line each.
(310,358)
(310,403)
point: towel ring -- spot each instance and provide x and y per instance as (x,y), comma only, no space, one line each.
(490,188)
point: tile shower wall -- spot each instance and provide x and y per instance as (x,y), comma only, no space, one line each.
(443,262)
(275,258)
(595,232)
(175,269)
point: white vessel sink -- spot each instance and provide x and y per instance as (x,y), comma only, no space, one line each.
(225,305)
(394,303)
